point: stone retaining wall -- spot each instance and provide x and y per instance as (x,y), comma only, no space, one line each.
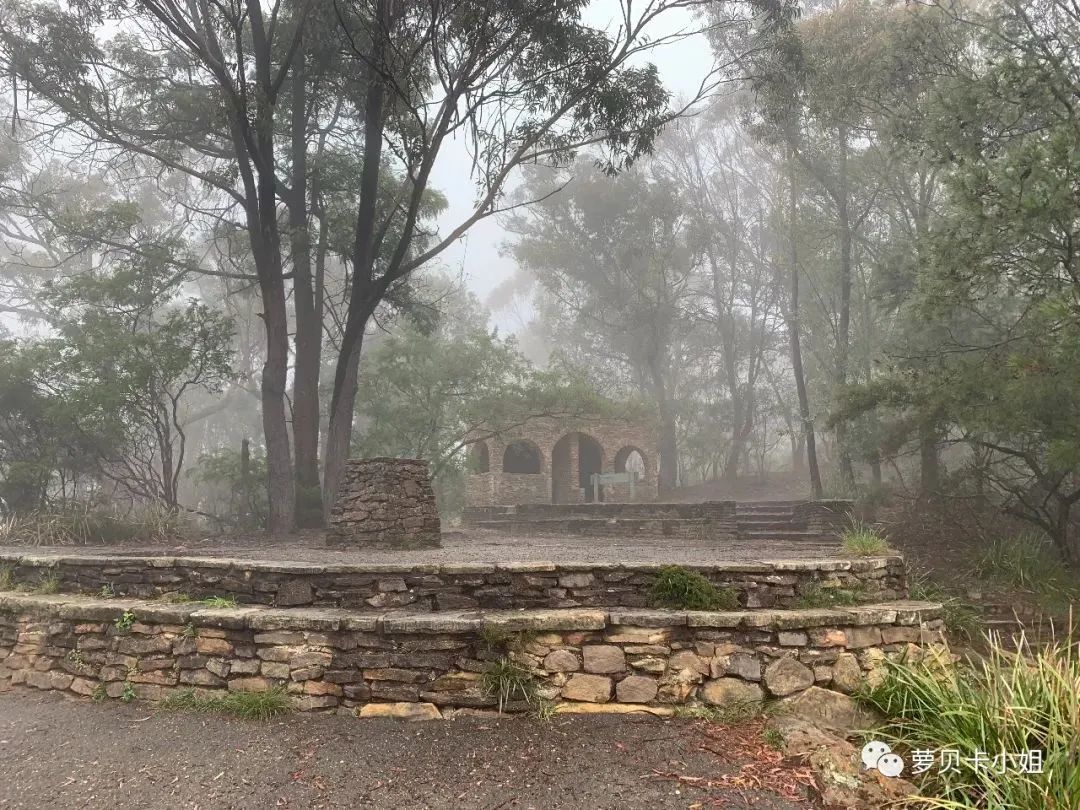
(338,660)
(385,502)
(446,587)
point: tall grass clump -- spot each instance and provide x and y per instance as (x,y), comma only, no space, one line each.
(675,587)
(961,619)
(1010,702)
(263,705)
(507,680)
(1028,561)
(862,540)
(81,524)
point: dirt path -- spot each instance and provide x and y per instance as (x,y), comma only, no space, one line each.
(62,753)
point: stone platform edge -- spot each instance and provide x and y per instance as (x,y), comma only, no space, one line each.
(447,586)
(419,664)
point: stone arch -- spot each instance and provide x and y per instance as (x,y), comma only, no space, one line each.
(522,457)
(478,458)
(632,459)
(574,458)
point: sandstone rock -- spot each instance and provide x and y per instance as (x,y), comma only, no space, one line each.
(603,658)
(636,689)
(786,675)
(859,637)
(613,708)
(687,659)
(829,709)
(588,688)
(401,711)
(731,692)
(792,638)
(847,675)
(561,661)
(294,592)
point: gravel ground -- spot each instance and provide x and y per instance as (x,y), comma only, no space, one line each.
(476,546)
(58,752)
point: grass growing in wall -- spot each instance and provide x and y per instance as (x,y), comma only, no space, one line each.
(1011,702)
(814,596)
(675,587)
(246,705)
(219,601)
(507,680)
(862,540)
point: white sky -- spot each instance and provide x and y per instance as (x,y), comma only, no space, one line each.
(476,255)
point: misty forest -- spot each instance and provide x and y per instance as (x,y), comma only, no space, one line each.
(847,266)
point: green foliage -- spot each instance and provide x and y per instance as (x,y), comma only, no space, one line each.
(815,596)
(675,587)
(264,705)
(507,680)
(7,577)
(1010,702)
(99,693)
(107,591)
(48,583)
(124,622)
(230,489)
(219,601)
(862,540)
(1028,561)
(962,620)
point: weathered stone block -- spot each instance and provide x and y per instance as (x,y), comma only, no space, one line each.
(588,688)
(731,692)
(603,658)
(636,689)
(786,676)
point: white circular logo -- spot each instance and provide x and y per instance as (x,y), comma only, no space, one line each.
(890,765)
(872,752)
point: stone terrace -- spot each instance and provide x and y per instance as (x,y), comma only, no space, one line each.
(409,664)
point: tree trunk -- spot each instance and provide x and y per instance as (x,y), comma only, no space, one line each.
(929,468)
(794,339)
(308,341)
(847,473)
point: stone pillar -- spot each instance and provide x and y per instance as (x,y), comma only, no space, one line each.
(385,502)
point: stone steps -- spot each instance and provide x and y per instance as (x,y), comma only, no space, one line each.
(404,663)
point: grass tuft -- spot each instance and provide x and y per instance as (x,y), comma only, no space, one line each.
(815,596)
(1011,702)
(862,540)
(246,705)
(219,601)
(508,680)
(675,587)
(962,620)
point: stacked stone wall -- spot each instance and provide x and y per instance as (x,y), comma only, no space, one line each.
(385,502)
(442,587)
(334,660)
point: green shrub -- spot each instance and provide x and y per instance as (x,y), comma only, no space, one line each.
(246,705)
(861,540)
(124,622)
(675,587)
(1009,702)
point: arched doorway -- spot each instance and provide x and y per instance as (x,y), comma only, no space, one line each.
(574,459)
(630,459)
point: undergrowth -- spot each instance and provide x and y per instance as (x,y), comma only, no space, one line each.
(1010,703)
(1028,561)
(675,587)
(246,705)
